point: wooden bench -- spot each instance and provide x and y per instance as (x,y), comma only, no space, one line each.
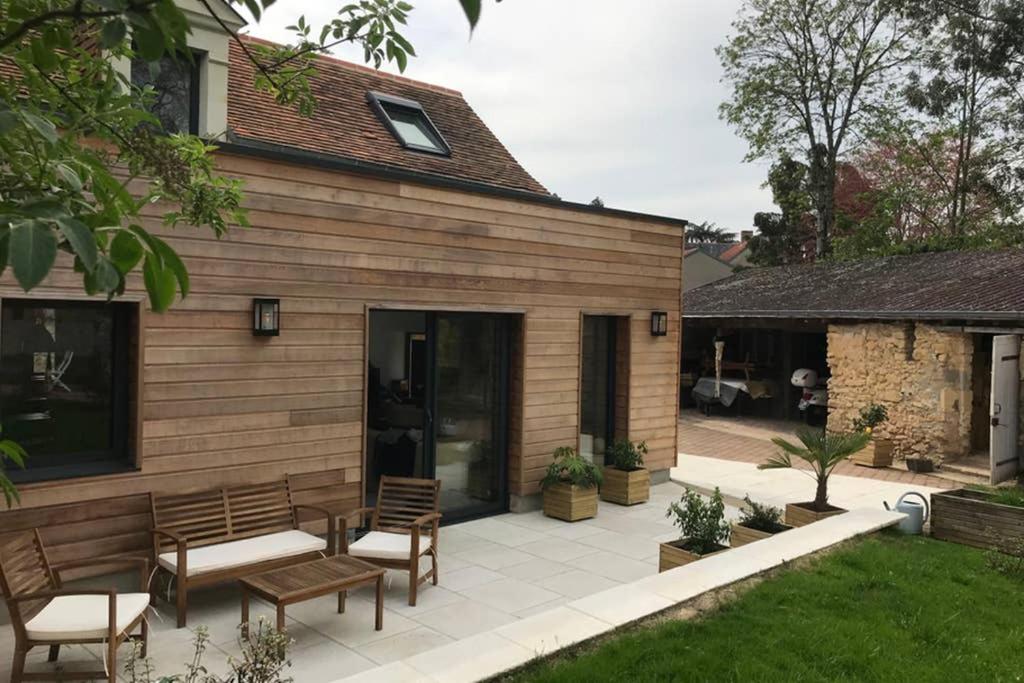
(207,537)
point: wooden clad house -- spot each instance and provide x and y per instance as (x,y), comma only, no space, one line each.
(440,314)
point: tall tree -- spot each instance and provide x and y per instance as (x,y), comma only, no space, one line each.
(807,77)
(783,236)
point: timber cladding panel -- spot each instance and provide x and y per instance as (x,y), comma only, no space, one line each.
(223,407)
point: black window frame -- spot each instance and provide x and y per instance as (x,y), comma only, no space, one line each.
(380,104)
(195,82)
(120,457)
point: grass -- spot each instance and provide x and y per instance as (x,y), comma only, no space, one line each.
(1004,495)
(883,609)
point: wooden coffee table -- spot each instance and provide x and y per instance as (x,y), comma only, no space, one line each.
(301,582)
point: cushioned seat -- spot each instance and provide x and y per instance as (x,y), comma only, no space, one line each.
(81,617)
(211,558)
(386,546)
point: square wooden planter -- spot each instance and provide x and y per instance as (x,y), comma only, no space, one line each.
(626,487)
(801,514)
(742,535)
(571,503)
(878,453)
(968,517)
(670,555)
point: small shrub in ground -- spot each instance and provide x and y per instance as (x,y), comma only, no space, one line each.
(701,521)
(264,658)
(761,517)
(569,467)
(870,417)
(1008,558)
(627,455)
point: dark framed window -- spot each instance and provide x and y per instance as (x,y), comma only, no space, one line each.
(175,80)
(409,123)
(65,373)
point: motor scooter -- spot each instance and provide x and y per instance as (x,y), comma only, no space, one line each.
(813,403)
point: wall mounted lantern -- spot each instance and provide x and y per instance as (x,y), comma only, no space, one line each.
(659,324)
(266,317)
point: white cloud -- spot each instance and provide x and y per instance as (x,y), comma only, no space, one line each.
(593,97)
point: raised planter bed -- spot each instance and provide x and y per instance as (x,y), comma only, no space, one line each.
(801,514)
(969,517)
(672,555)
(878,453)
(569,502)
(626,487)
(742,535)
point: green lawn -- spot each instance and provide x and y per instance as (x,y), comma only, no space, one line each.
(889,608)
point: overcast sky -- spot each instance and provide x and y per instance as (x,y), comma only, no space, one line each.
(593,97)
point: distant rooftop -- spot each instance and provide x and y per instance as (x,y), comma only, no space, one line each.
(977,285)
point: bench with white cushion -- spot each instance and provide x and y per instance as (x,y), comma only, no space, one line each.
(211,536)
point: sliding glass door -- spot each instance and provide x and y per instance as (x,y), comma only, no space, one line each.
(470,415)
(438,405)
(597,387)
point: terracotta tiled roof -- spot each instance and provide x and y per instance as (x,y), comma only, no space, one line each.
(732,252)
(344,125)
(973,285)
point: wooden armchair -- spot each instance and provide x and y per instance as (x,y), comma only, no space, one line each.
(44,613)
(403,528)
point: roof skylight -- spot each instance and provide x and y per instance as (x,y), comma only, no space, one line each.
(409,123)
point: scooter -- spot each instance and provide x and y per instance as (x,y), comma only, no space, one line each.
(814,399)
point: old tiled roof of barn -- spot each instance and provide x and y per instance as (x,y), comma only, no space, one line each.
(975,285)
(344,124)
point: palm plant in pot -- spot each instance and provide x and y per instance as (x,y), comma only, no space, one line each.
(626,481)
(702,526)
(878,452)
(570,486)
(822,450)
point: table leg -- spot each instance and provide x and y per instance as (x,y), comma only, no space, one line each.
(341,602)
(280,618)
(379,624)
(245,613)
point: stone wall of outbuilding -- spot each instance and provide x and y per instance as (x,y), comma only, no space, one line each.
(920,373)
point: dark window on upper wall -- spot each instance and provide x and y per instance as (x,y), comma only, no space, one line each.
(65,371)
(409,123)
(176,83)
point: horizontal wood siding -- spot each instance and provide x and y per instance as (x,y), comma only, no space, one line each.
(222,407)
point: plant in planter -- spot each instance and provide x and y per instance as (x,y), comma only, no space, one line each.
(757,521)
(626,481)
(822,450)
(570,486)
(702,527)
(878,452)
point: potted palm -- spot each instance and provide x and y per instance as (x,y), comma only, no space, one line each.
(702,526)
(626,481)
(822,450)
(570,486)
(878,452)
(756,521)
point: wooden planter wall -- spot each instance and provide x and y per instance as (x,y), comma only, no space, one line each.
(967,517)
(797,515)
(625,488)
(878,453)
(742,535)
(671,556)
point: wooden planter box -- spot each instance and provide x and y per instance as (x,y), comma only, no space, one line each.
(801,514)
(571,503)
(742,535)
(626,487)
(968,517)
(670,555)
(878,453)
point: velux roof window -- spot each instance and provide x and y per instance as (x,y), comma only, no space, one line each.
(409,123)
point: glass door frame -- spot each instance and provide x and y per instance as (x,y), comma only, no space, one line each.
(501,428)
(611,320)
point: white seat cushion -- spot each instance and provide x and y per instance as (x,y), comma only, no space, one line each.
(213,558)
(382,545)
(74,617)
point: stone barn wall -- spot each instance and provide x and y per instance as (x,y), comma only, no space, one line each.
(921,374)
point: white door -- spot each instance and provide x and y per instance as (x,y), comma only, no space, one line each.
(1004,409)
